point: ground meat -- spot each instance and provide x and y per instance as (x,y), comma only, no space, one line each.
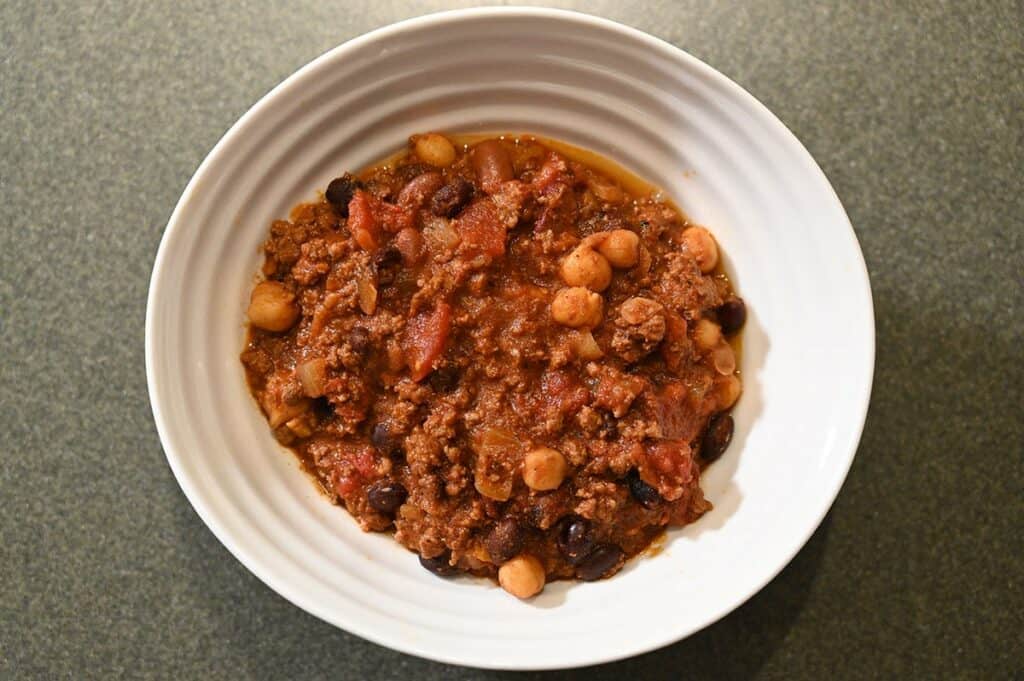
(498,353)
(639,328)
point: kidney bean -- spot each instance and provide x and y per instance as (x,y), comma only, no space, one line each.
(717,437)
(409,243)
(491,164)
(731,315)
(575,540)
(439,564)
(339,192)
(449,200)
(504,541)
(641,491)
(417,190)
(602,560)
(386,496)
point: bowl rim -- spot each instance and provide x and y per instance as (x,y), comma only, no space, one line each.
(295,596)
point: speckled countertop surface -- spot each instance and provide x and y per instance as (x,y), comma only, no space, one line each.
(914,110)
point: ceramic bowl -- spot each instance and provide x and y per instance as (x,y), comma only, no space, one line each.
(723,157)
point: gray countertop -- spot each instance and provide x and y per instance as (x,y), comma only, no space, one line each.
(913,109)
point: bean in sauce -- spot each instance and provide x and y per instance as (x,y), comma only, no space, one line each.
(717,437)
(600,562)
(732,314)
(439,565)
(386,496)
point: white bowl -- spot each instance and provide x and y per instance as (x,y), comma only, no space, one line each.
(728,162)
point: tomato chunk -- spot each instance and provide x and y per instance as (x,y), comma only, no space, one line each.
(362,222)
(369,218)
(392,218)
(674,409)
(425,337)
(668,466)
(481,229)
(562,393)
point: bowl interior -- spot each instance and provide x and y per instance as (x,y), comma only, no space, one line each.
(807,355)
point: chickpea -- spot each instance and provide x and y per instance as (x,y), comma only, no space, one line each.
(702,247)
(272,306)
(577,307)
(727,390)
(435,149)
(621,247)
(724,359)
(586,267)
(523,576)
(543,469)
(707,334)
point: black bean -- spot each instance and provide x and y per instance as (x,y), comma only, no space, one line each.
(444,379)
(603,559)
(439,564)
(359,339)
(716,437)
(449,200)
(731,315)
(386,442)
(339,193)
(387,263)
(504,541)
(641,491)
(575,539)
(386,496)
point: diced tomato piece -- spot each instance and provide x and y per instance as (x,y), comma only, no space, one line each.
(425,337)
(675,326)
(365,462)
(356,465)
(562,392)
(369,217)
(674,410)
(481,229)
(558,208)
(668,466)
(554,170)
(346,485)
(673,350)
(393,218)
(362,222)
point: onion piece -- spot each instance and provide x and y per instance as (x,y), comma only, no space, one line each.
(367,292)
(497,459)
(441,236)
(312,376)
(586,347)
